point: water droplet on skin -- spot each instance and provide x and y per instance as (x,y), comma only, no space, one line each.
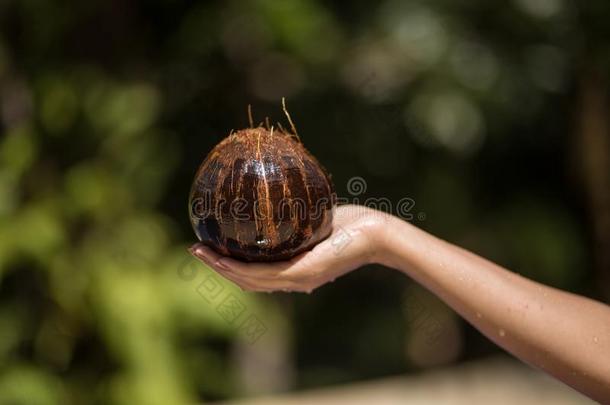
(595,339)
(502,332)
(479,315)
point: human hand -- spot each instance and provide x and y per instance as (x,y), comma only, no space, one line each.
(355,241)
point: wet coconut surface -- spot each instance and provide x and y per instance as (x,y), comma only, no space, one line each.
(261,196)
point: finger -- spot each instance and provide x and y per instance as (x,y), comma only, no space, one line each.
(251,270)
(266,285)
(245,279)
(210,258)
(224,262)
(243,284)
(255,268)
(261,284)
(269,270)
(205,253)
(300,273)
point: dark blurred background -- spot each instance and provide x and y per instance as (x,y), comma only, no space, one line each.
(492,116)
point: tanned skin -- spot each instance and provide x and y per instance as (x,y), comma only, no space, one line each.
(563,334)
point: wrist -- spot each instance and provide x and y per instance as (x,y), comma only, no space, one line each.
(390,232)
(381,232)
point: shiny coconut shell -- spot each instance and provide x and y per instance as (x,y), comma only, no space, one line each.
(261,196)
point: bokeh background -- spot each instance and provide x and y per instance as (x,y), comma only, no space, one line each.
(492,116)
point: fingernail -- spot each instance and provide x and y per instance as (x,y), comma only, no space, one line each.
(221,264)
(200,253)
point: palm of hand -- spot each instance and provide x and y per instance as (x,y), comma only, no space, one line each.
(351,245)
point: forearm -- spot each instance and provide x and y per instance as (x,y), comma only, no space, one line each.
(566,335)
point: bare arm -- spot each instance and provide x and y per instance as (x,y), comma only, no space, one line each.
(566,335)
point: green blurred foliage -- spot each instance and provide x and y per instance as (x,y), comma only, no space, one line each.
(107,108)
